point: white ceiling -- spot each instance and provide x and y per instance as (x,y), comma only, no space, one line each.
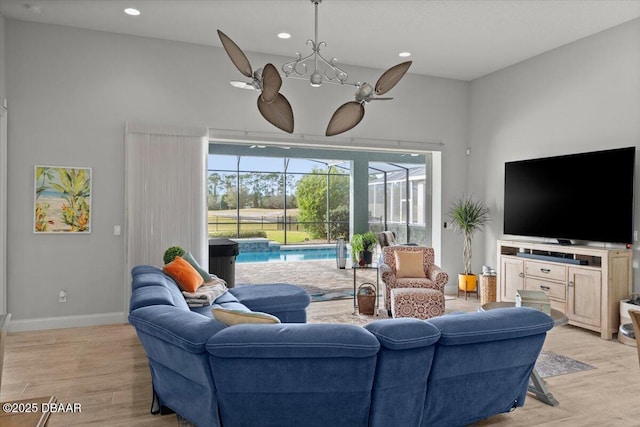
(456,39)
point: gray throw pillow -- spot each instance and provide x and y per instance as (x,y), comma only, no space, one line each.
(191,260)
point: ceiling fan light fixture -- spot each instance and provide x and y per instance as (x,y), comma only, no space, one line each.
(330,70)
(316,79)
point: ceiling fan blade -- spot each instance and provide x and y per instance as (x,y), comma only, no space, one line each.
(379,98)
(271,83)
(391,77)
(346,117)
(236,54)
(278,112)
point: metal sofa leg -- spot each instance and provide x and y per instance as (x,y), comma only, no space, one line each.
(155,404)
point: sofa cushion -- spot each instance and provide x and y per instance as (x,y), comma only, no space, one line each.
(150,295)
(272,298)
(203,273)
(409,264)
(236,317)
(403,333)
(498,324)
(184,274)
(153,277)
(182,328)
(293,340)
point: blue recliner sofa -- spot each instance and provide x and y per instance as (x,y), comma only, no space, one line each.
(449,371)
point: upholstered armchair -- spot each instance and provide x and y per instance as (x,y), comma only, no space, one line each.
(410,267)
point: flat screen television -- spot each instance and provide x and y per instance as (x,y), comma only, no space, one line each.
(586,197)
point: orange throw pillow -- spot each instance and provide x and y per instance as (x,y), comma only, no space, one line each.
(409,264)
(184,274)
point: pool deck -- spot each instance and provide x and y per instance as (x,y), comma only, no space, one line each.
(325,274)
(319,273)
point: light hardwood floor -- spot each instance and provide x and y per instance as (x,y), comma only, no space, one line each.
(105,369)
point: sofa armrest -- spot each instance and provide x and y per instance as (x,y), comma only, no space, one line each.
(387,274)
(437,276)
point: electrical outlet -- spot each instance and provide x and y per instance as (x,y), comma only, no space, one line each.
(62,296)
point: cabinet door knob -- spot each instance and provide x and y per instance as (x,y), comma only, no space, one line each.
(520,274)
(545,270)
(571,283)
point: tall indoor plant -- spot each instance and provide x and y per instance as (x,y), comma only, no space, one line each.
(468,216)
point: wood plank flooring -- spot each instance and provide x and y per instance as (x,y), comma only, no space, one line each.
(104,368)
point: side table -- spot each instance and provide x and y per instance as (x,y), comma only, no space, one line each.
(355,268)
(537,385)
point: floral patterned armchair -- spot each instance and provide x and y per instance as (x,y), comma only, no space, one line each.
(410,267)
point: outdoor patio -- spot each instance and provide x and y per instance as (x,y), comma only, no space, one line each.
(324,277)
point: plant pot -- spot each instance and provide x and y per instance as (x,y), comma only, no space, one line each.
(467,282)
(367,256)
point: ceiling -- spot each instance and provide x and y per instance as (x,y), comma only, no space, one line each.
(455,39)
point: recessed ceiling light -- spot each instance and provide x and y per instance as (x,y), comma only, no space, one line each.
(284,35)
(131,11)
(404,54)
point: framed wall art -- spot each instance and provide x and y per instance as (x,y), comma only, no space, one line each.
(62,200)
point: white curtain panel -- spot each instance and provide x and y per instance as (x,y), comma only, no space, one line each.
(165,192)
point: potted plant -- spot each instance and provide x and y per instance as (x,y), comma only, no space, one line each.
(171,254)
(468,216)
(362,245)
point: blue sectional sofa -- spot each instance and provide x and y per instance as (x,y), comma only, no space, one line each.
(449,371)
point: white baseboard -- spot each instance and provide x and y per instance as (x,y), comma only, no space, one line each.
(42,323)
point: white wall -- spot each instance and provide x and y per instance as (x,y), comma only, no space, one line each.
(581,97)
(70,92)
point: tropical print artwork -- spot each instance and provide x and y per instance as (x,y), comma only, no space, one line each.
(62,200)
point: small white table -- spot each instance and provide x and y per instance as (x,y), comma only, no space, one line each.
(537,385)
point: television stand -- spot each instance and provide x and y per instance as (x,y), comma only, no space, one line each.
(584,282)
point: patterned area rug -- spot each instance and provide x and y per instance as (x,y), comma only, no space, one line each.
(551,364)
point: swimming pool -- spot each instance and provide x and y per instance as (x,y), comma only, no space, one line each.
(289,253)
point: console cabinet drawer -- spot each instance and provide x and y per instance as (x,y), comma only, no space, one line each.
(553,290)
(545,270)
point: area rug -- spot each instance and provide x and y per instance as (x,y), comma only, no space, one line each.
(551,364)
(329,296)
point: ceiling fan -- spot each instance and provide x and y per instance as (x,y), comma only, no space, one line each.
(273,106)
(348,115)
(276,108)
